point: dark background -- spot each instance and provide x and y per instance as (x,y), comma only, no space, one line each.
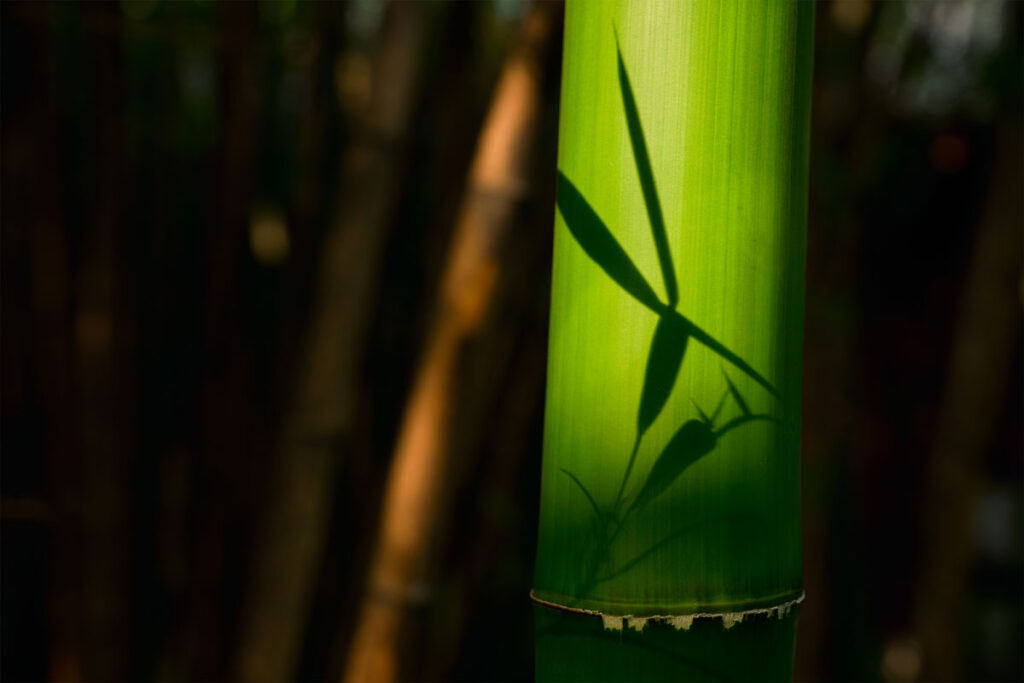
(171,175)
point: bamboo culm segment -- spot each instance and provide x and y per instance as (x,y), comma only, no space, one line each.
(670,480)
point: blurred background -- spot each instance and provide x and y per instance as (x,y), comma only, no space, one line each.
(260,259)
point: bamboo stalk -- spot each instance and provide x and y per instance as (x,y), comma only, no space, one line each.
(509,448)
(103,365)
(279,597)
(670,483)
(39,222)
(225,368)
(986,339)
(414,496)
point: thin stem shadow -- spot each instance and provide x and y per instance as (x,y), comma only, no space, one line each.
(675,536)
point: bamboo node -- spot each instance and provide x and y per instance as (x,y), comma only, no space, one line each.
(683,622)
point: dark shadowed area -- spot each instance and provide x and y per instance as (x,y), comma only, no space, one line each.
(274,288)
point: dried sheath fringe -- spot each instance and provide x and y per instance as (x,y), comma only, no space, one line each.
(680,622)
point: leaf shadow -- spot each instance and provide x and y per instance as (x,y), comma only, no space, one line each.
(690,443)
(668,346)
(647,185)
(696,438)
(600,245)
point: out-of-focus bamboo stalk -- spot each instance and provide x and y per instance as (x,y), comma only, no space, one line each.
(34,174)
(414,496)
(322,406)
(102,363)
(509,448)
(225,367)
(979,374)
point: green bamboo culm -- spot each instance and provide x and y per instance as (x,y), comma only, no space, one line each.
(669,539)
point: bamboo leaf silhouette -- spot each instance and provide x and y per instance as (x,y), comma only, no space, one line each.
(667,349)
(703,415)
(643,168)
(719,406)
(736,394)
(744,419)
(600,245)
(740,364)
(693,441)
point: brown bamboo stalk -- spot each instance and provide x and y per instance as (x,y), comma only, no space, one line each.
(987,337)
(322,407)
(507,448)
(414,495)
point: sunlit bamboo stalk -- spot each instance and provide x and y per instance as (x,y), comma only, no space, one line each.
(669,540)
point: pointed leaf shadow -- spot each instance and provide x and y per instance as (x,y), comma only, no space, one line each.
(693,441)
(740,364)
(643,168)
(718,408)
(703,416)
(666,356)
(600,245)
(736,394)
